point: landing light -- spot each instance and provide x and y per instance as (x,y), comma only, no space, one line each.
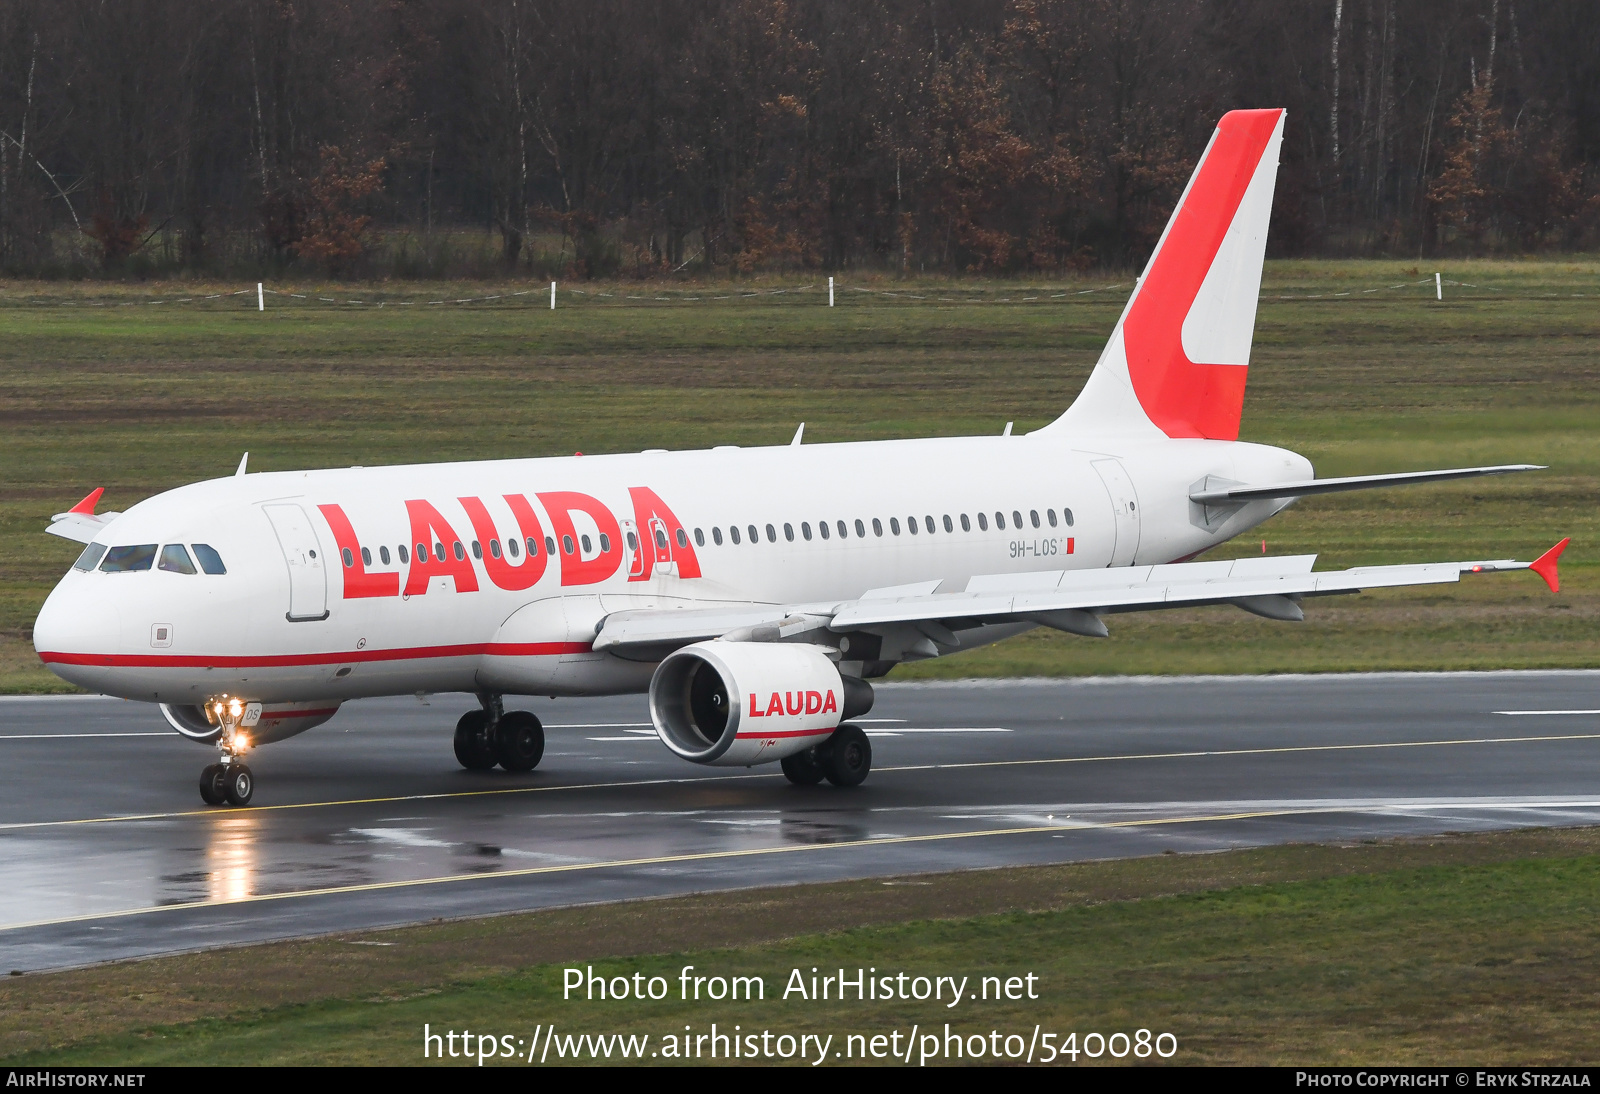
(236,708)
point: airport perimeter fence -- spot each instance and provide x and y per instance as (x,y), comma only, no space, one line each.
(832,293)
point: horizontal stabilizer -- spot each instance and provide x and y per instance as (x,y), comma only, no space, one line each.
(1240,494)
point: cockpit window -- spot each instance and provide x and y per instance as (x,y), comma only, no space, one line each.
(210,561)
(90,557)
(127,559)
(175,559)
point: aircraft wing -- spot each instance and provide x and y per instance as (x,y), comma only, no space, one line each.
(81,523)
(1069,600)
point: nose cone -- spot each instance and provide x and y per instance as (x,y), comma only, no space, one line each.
(74,628)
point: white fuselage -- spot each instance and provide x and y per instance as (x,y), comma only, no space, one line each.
(280,626)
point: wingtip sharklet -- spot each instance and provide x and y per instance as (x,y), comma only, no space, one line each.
(1545,565)
(86,506)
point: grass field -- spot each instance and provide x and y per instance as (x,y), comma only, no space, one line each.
(101,387)
(1465,950)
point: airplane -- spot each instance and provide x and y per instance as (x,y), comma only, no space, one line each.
(752,594)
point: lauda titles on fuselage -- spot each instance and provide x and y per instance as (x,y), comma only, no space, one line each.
(752,593)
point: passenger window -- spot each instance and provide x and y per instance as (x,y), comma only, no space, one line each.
(772,534)
(661,539)
(588,545)
(861,529)
(366,556)
(1000,521)
(120,560)
(822,526)
(948,526)
(966,525)
(805,530)
(210,561)
(1016,517)
(983,523)
(844,532)
(605,544)
(494,547)
(633,542)
(549,545)
(1066,515)
(461,552)
(566,544)
(699,538)
(877,527)
(422,552)
(733,531)
(1050,514)
(788,531)
(514,549)
(930,524)
(755,536)
(403,553)
(90,557)
(683,538)
(477,549)
(894,525)
(716,535)
(1033,515)
(344,552)
(912,526)
(383,555)
(176,560)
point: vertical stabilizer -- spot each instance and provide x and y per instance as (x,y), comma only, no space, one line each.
(1175,365)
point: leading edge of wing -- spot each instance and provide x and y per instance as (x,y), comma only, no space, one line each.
(1143,588)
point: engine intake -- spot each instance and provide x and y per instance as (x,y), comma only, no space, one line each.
(735,704)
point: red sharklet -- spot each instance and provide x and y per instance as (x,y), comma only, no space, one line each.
(86,506)
(1545,565)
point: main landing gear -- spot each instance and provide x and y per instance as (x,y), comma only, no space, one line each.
(229,781)
(843,759)
(514,739)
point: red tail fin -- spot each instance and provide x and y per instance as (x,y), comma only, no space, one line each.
(1182,347)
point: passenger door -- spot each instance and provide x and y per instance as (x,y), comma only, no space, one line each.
(302,553)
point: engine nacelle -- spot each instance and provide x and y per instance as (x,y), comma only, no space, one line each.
(734,704)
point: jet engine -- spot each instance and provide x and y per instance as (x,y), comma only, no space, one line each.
(735,704)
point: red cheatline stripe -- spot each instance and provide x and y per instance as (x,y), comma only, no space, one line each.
(319,713)
(785,733)
(346,657)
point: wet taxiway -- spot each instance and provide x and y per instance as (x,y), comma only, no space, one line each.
(106,851)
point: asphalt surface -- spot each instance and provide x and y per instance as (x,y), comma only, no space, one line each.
(106,851)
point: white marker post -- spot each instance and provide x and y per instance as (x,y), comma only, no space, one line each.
(552,296)
(830,292)
(1438,287)
(261,298)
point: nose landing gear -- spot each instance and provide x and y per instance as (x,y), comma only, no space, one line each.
(231,780)
(513,739)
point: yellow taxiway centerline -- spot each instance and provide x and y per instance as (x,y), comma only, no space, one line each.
(661,860)
(445,795)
